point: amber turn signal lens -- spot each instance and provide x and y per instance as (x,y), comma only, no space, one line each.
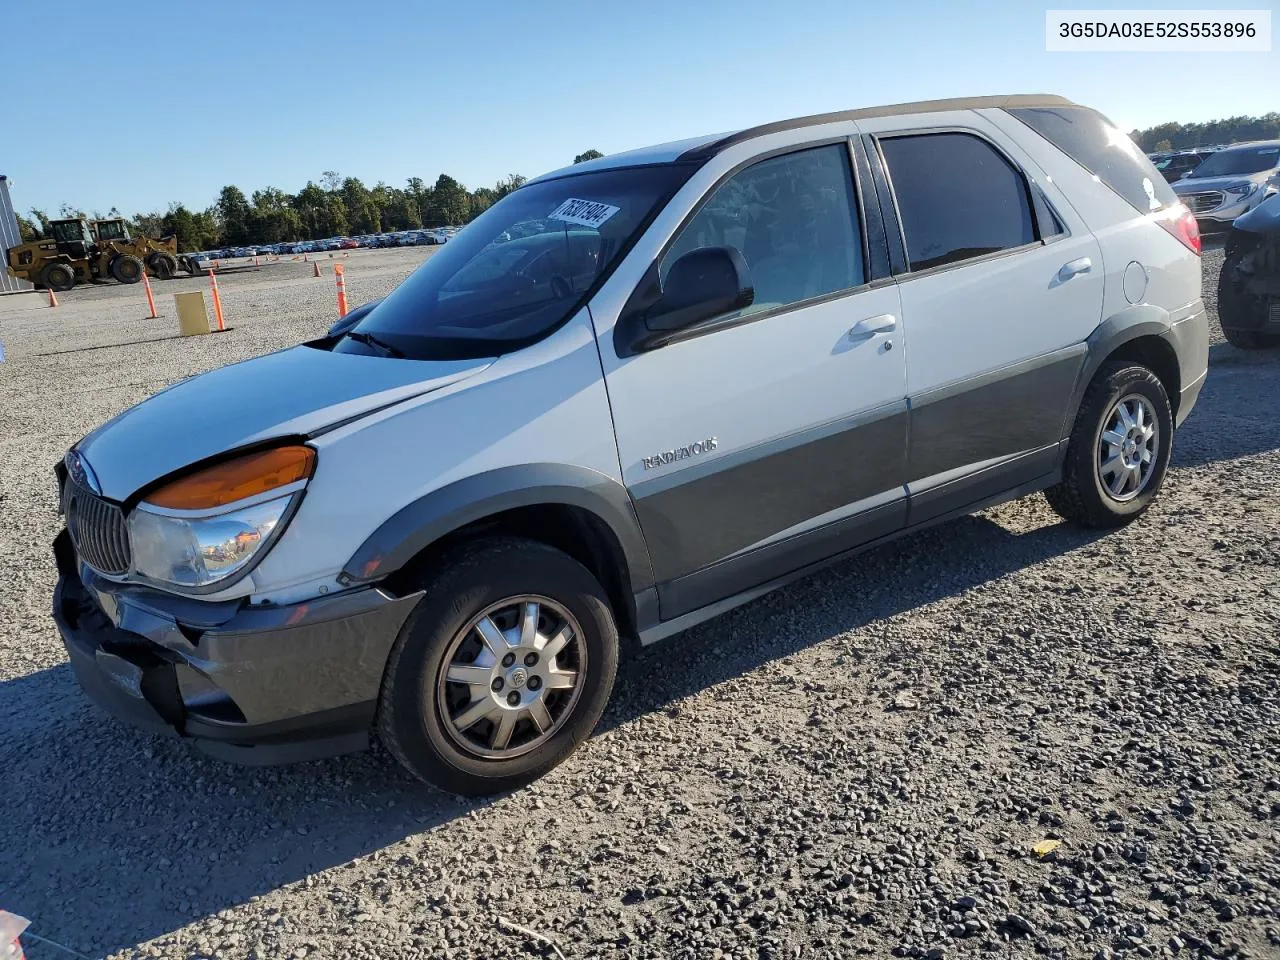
(236,479)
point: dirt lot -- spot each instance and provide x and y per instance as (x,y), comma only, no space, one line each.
(858,764)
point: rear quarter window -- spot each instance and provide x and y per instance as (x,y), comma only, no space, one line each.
(1107,152)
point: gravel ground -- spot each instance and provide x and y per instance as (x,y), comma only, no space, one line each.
(860,764)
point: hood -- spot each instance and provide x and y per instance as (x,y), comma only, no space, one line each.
(1199,184)
(292,393)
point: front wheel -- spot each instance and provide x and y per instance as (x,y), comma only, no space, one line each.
(1238,311)
(59,277)
(1250,339)
(1118,451)
(504,667)
(163,266)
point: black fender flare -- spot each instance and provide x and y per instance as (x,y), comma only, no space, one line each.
(417,525)
(1139,320)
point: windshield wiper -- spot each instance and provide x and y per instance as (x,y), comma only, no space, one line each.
(370,340)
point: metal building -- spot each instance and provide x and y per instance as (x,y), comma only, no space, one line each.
(9,237)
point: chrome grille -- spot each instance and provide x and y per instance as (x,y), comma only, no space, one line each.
(1205,201)
(98,531)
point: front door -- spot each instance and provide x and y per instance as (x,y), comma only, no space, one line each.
(776,438)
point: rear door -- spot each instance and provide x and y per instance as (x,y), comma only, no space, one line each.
(1000,288)
(775,436)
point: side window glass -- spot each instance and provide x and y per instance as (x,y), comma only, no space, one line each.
(958,197)
(793,220)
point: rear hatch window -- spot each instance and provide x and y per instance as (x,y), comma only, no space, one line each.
(1107,152)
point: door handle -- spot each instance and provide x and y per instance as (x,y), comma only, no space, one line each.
(1079,265)
(884,323)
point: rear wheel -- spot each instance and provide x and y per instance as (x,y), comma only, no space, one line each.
(1118,450)
(503,668)
(126,269)
(58,276)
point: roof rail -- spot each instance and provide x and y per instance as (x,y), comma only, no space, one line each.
(866,113)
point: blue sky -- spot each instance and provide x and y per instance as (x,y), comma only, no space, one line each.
(483,88)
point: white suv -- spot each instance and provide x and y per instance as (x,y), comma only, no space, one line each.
(686,374)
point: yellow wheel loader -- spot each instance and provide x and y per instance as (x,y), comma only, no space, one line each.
(160,256)
(70,255)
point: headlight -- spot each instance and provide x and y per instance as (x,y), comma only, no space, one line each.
(210,525)
(1242,190)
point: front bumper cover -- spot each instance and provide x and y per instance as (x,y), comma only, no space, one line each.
(267,684)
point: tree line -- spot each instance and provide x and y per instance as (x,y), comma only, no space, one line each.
(336,206)
(1185,136)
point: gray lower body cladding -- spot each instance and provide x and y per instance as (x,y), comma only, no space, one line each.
(702,514)
(732,523)
(264,685)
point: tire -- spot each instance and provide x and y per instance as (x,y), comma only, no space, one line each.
(126,269)
(163,266)
(1238,308)
(58,277)
(423,717)
(1084,495)
(1250,339)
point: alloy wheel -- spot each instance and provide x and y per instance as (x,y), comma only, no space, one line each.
(511,677)
(1128,445)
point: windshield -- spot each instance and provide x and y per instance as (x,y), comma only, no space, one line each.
(1238,162)
(71,231)
(516,271)
(112,230)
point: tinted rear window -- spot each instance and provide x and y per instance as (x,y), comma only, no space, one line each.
(1107,152)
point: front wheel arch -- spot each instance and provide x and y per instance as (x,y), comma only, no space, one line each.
(573,530)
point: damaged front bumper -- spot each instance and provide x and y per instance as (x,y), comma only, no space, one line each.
(253,684)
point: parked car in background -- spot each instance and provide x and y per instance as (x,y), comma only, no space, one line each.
(347,243)
(1231,183)
(690,385)
(1175,167)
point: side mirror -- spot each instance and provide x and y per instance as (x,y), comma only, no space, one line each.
(702,284)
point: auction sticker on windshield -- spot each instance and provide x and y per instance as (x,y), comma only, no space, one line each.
(585,213)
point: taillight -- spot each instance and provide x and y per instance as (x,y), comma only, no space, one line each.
(1180,221)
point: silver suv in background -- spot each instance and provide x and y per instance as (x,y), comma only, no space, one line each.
(1231,183)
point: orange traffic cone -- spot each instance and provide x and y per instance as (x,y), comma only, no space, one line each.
(315,266)
(53,301)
